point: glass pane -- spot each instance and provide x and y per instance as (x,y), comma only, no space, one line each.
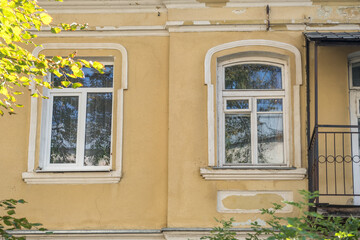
(98,129)
(64,129)
(237,104)
(253,76)
(237,138)
(270,138)
(92,78)
(269,105)
(356,75)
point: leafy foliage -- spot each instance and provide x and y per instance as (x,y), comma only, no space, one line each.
(222,232)
(8,221)
(20,68)
(308,225)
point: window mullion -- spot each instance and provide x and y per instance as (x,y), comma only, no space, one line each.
(80,146)
(254,137)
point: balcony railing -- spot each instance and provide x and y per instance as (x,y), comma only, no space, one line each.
(334,164)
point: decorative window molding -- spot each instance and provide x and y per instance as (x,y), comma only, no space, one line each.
(32,176)
(295,131)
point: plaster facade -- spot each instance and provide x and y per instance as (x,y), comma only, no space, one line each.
(164,182)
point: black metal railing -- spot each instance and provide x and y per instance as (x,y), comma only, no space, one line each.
(333,152)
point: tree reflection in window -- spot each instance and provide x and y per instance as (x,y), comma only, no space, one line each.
(64,129)
(253,76)
(96,104)
(237,138)
(253,132)
(92,78)
(98,129)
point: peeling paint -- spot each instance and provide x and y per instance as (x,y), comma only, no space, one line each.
(201,22)
(214,3)
(249,222)
(349,12)
(324,11)
(187,23)
(239,11)
(257,201)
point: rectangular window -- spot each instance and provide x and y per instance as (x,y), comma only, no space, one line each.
(251,114)
(77,123)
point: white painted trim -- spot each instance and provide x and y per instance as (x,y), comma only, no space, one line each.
(105,6)
(106,33)
(218,28)
(354,98)
(262,3)
(114,46)
(253,174)
(354,115)
(131,234)
(210,91)
(71,177)
(110,177)
(334,27)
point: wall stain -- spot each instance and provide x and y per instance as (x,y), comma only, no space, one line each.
(214,3)
(262,200)
(349,12)
(239,11)
(324,11)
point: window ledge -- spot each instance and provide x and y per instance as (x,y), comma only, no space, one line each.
(253,174)
(71,177)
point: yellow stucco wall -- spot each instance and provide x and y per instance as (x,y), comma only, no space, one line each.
(165,120)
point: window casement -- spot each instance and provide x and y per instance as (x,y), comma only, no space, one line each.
(252,113)
(76,132)
(354,72)
(77,136)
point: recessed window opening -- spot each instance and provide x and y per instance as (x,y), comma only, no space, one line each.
(77,123)
(251,113)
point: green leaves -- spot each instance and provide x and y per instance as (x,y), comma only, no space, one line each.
(45,18)
(307,225)
(222,233)
(8,221)
(18,67)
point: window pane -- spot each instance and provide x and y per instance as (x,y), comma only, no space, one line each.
(237,104)
(237,138)
(270,138)
(253,76)
(64,129)
(356,75)
(269,105)
(92,78)
(98,129)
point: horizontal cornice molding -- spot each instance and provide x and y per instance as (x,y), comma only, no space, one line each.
(253,174)
(113,6)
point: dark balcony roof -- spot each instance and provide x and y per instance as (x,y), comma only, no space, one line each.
(334,38)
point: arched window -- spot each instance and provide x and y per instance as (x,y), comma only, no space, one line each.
(252,112)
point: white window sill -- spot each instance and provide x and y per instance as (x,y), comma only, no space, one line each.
(71,177)
(253,174)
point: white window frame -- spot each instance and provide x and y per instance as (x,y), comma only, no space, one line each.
(353,61)
(46,125)
(292,56)
(32,175)
(224,95)
(354,106)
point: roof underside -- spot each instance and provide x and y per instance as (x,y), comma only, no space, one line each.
(334,37)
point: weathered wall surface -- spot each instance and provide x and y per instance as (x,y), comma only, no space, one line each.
(165,139)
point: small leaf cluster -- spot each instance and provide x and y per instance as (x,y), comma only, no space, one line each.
(222,232)
(308,225)
(18,66)
(9,222)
